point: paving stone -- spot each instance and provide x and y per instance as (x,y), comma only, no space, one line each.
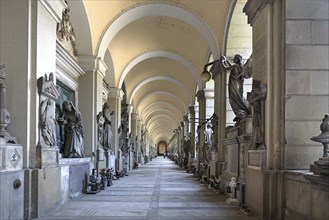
(158,190)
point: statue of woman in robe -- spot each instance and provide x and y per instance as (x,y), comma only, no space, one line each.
(73,131)
(107,133)
(239,104)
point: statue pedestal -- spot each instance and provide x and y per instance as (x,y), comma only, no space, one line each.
(120,161)
(213,163)
(47,156)
(11,156)
(12,181)
(320,167)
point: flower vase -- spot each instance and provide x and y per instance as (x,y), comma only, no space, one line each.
(103,183)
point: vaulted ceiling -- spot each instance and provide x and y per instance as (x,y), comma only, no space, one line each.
(156,48)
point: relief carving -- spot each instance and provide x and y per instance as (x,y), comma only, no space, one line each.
(47,124)
(256,100)
(65,32)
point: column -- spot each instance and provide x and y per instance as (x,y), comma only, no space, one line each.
(138,140)
(90,100)
(114,99)
(202,115)
(134,135)
(192,130)
(220,110)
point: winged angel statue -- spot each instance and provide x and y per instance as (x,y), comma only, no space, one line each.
(238,72)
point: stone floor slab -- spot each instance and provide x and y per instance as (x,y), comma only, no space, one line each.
(158,190)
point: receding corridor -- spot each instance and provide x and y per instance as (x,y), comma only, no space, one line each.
(157,190)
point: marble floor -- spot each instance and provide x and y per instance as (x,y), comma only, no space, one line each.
(159,190)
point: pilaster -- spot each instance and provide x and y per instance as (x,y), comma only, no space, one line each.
(90,99)
(134,134)
(192,130)
(115,97)
(201,127)
(138,144)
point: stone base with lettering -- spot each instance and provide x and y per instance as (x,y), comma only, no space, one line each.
(47,156)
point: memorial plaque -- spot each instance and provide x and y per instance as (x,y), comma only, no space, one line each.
(256,159)
(50,157)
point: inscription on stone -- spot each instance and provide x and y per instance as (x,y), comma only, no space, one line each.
(49,157)
(254,159)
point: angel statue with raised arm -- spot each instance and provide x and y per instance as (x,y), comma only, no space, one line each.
(238,72)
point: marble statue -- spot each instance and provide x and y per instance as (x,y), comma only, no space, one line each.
(208,135)
(214,127)
(73,131)
(238,72)
(48,122)
(256,98)
(187,145)
(107,128)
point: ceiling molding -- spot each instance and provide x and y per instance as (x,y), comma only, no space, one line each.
(158,78)
(178,99)
(165,54)
(157,104)
(158,9)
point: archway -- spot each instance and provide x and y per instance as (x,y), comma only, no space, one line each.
(162,147)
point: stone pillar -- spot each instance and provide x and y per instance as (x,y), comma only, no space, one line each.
(187,151)
(220,110)
(114,99)
(134,135)
(202,115)
(90,100)
(129,111)
(28,56)
(263,179)
(147,148)
(138,144)
(192,130)
(182,141)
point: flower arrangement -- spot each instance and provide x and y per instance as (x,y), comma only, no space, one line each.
(106,175)
(106,172)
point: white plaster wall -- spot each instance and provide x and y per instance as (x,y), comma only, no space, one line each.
(14,53)
(87,105)
(307,79)
(28,49)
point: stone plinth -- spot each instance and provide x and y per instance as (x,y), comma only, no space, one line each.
(213,163)
(11,156)
(12,194)
(47,156)
(46,188)
(110,159)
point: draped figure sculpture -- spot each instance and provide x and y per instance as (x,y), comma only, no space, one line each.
(107,126)
(47,122)
(73,131)
(240,105)
(238,72)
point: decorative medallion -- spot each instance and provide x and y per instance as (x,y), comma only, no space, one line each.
(15,158)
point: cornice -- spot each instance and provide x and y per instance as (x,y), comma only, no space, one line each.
(66,63)
(55,8)
(254,7)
